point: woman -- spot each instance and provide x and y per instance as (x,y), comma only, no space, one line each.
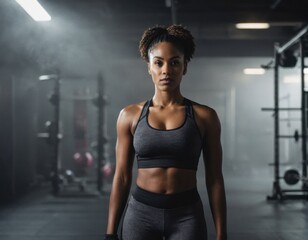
(167,135)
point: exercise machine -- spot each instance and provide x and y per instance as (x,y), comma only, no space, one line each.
(283,57)
(82,155)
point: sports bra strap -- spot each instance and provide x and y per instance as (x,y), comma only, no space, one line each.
(145,109)
(189,108)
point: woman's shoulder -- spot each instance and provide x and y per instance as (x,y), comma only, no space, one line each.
(202,109)
(130,114)
(204,113)
(132,109)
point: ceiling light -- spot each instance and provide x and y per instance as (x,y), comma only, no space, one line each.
(254,71)
(34,9)
(306,71)
(47,77)
(252,25)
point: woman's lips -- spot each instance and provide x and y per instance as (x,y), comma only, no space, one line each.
(166,80)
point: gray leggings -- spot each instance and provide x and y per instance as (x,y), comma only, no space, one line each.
(144,222)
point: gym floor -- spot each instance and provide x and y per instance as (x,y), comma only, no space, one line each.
(41,216)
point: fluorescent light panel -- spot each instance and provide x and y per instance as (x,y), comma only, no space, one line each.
(252,25)
(47,77)
(34,9)
(254,71)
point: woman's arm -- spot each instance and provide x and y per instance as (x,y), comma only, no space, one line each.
(212,153)
(123,173)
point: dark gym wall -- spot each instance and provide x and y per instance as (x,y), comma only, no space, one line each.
(6,136)
(18,130)
(18,73)
(24,127)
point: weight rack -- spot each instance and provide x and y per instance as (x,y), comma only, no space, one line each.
(301,38)
(55,136)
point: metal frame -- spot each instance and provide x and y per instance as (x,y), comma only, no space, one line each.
(277,192)
(101,139)
(304,110)
(100,134)
(55,165)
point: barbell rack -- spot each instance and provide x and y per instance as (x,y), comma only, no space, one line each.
(277,193)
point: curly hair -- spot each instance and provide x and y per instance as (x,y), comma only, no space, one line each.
(175,34)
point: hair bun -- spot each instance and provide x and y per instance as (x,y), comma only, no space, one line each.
(175,33)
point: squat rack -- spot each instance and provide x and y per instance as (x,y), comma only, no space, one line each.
(54,136)
(277,193)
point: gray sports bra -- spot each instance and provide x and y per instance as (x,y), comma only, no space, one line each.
(180,147)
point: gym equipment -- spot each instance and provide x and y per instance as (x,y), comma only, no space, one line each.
(108,171)
(84,160)
(52,134)
(283,57)
(287,59)
(70,176)
(291,177)
(100,102)
(82,156)
(296,136)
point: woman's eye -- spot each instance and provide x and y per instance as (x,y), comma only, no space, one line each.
(158,63)
(175,63)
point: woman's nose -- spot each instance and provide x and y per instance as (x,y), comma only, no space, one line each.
(166,69)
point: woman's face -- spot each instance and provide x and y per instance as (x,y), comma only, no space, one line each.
(166,66)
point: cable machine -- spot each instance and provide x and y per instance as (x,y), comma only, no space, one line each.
(291,176)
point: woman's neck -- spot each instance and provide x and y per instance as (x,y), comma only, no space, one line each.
(167,99)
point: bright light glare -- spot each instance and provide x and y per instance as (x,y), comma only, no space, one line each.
(252,25)
(47,77)
(291,79)
(34,9)
(306,71)
(254,71)
(295,79)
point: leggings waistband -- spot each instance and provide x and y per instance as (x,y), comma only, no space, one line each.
(167,201)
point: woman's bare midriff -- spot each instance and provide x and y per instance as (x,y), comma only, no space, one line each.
(166,180)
